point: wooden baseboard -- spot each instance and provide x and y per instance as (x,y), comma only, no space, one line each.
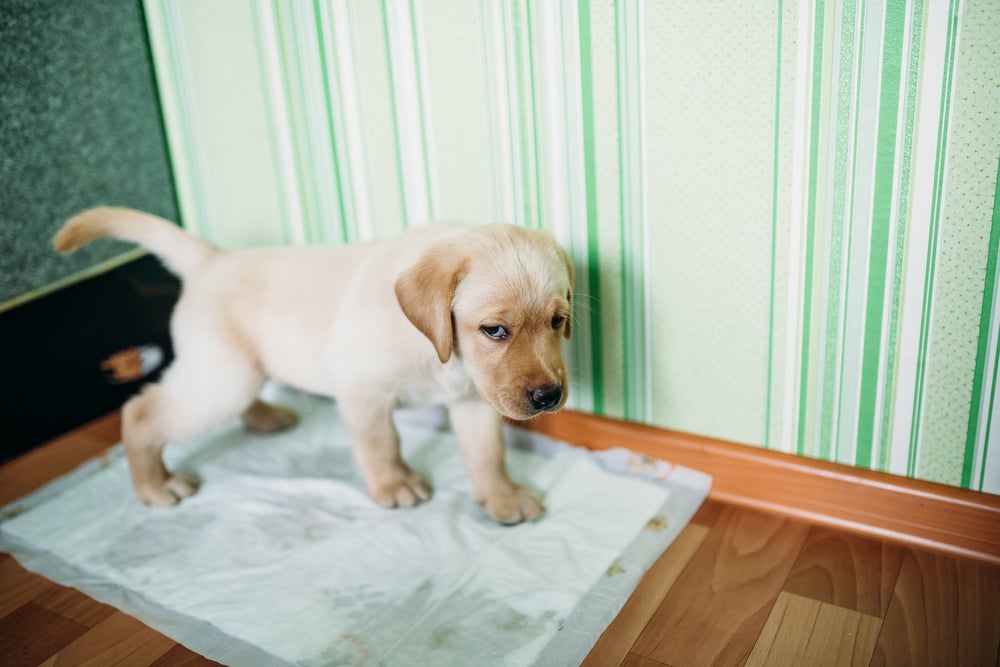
(907,511)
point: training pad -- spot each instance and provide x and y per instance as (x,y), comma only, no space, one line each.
(283,558)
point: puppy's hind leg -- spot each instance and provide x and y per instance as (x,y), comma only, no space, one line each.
(144,441)
(263,417)
(186,402)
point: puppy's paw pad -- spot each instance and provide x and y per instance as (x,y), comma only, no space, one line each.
(171,491)
(404,491)
(514,506)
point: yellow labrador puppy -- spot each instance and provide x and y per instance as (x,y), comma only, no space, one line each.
(466,316)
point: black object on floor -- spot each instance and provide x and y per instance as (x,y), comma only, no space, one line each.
(52,348)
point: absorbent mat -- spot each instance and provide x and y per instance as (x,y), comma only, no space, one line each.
(283,559)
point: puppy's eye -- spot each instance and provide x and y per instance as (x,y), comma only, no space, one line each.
(557,321)
(496,332)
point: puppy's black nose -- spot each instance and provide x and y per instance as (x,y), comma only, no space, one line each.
(543,398)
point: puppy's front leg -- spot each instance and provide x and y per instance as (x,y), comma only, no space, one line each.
(390,481)
(478,427)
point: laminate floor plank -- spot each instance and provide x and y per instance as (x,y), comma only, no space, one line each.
(18,585)
(32,470)
(617,640)
(32,633)
(804,631)
(181,656)
(708,514)
(636,660)
(74,605)
(716,610)
(117,640)
(944,611)
(846,570)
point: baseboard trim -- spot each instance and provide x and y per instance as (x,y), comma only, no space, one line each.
(906,511)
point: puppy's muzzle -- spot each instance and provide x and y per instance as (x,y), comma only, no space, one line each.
(545,397)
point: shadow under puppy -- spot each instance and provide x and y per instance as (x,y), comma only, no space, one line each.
(466,316)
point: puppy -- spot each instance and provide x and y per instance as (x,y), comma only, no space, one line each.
(470,317)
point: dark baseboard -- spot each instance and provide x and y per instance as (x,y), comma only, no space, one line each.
(53,348)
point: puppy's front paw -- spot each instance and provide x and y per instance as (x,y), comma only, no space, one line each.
(512,505)
(170,491)
(406,488)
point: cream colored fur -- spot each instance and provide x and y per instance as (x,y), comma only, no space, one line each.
(466,316)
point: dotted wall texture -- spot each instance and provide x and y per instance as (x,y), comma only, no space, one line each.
(710,154)
(79,126)
(962,254)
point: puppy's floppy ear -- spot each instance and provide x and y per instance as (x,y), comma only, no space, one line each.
(569,295)
(425,291)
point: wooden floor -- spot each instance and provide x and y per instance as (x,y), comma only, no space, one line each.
(737,587)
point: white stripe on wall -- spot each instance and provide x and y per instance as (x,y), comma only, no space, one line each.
(281,122)
(519,99)
(860,222)
(412,112)
(989,481)
(500,89)
(896,227)
(316,145)
(925,140)
(797,240)
(170,55)
(566,204)
(350,137)
(989,410)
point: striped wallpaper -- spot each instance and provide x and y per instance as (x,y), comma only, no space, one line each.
(784,214)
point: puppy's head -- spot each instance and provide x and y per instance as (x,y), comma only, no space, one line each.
(499,297)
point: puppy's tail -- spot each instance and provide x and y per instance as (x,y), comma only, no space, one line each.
(181,252)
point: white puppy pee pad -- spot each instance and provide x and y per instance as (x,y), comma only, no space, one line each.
(283,558)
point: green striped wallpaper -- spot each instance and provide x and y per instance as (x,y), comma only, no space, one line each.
(784,214)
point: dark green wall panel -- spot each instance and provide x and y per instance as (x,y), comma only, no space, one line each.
(79,126)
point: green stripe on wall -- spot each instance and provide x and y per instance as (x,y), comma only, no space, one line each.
(291,70)
(620,68)
(283,195)
(851,183)
(836,272)
(421,112)
(394,111)
(819,21)
(892,55)
(987,436)
(590,183)
(531,87)
(326,51)
(902,206)
(632,217)
(989,286)
(530,215)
